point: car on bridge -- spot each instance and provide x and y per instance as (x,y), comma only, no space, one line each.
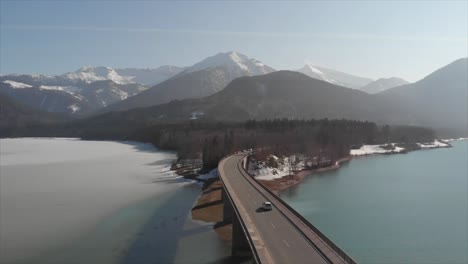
(267,206)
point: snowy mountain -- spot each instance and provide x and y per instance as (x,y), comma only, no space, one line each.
(89,74)
(150,77)
(83,91)
(437,101)
(334,77)
(382,84)
(63,95)
(204,78)
(234,63)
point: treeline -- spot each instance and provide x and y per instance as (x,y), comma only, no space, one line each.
(210,141)
(333,138)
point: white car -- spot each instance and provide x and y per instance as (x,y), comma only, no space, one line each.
(267,206)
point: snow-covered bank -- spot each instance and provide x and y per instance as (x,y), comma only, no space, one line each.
(393,148)
(374,149)
(263,172)
(53,191)
(455,139)
(435,144)
(267,173)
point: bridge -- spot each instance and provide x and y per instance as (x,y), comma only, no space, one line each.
(281,235)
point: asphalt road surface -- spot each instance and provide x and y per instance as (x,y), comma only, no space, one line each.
(279,239)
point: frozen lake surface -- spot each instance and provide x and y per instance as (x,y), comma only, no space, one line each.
(73,201)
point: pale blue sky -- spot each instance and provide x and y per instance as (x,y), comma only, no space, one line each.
(371,38)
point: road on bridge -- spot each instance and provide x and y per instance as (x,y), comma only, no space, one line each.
(274,235)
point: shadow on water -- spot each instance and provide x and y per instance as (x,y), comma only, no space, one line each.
(170,236)
(157,241)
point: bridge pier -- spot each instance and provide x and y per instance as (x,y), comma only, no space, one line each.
(228,211)
(240,245)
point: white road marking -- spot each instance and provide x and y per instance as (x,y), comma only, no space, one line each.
(286,243)
(273,225)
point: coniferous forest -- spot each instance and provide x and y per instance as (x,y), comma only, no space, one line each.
(210,141)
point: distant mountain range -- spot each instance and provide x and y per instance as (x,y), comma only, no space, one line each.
(61,95)
(204,78)
(91,90)
(438,101)
(233,87)
(83,91)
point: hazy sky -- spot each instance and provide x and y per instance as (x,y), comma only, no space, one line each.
(372,38)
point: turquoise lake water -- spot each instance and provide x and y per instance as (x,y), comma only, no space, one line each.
(405,208)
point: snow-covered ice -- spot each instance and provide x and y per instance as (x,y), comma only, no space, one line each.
(54,191)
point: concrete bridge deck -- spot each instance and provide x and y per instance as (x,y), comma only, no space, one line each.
(277,236)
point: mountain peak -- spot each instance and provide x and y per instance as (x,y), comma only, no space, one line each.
(311,69)
(235,63)
(334,76)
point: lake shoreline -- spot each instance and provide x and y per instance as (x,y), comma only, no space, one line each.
(279,184)
(208,207)
(419,198)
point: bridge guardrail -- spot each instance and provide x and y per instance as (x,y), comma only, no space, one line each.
(244,228)
(322,236)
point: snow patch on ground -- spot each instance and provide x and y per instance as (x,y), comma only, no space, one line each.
(374,149)
(68,89)
(17,85)
(454,139)
(74,108)
(123,95)
(378,149)
(268,173)
(435,144)
(263,172)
